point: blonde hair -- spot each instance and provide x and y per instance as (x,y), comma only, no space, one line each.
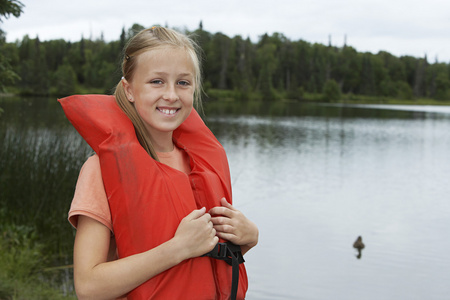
(147,40)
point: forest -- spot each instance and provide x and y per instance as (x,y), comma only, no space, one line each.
(272,68)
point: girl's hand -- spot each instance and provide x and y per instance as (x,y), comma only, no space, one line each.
(232,225)
(196,234)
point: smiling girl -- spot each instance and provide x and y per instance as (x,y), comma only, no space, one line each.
(152,207)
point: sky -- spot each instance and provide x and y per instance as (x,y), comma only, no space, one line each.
(400,27)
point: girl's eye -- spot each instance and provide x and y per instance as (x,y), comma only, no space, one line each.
(156,81)
(183,82)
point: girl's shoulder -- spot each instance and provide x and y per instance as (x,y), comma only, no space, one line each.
(93,162)
(90,198)
(91,168)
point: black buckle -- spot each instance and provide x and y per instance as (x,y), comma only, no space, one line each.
(227,252)
(219,251)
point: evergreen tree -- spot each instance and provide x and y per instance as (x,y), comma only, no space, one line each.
(7,75)
(331,91)
(33,67)
(65,80)
(267,61)
(273,67)
(419,79)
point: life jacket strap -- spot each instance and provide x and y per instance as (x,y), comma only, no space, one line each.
(232,255)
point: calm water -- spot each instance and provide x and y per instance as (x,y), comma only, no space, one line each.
(315,182)
(313,177)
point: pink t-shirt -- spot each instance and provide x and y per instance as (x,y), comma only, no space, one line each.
(90,197)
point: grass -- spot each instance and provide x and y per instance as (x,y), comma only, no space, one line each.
(21,259)
(40,157)
(230,95)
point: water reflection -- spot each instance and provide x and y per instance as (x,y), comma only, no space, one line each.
(316,180)
(40,157)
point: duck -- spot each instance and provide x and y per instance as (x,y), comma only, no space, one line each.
(358,244)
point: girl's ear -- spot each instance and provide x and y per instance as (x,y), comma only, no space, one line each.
(127,88)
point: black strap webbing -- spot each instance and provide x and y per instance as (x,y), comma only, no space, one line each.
(232,255)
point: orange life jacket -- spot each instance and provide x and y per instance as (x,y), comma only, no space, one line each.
(148,199)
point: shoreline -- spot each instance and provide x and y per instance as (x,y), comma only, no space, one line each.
(229,96)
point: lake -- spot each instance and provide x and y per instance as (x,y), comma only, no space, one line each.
(313,177)
(314,181)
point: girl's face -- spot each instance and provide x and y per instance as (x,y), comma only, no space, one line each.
(162,89)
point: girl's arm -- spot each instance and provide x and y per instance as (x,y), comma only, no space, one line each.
(96,278)
(232,225)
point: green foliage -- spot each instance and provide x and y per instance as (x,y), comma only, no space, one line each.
(272,68)
(29,160)
(65,80)
(267,60)
(36,187)
(439,79)
(135,28)
(21,260)
(442,87)
(7,75)
(21,253)
(296,94)
(217,94)
(10,7)
(331,91)
(404,91)
(33,68)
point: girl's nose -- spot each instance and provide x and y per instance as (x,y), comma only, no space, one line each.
(170,94)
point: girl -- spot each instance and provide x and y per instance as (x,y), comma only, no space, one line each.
(158,186)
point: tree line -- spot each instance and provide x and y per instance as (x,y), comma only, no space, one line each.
(274,67)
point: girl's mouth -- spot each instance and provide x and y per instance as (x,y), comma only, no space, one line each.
(168,111)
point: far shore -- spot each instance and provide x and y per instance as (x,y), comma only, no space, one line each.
(229,95)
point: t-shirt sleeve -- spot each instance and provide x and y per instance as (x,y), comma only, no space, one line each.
(90,197)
